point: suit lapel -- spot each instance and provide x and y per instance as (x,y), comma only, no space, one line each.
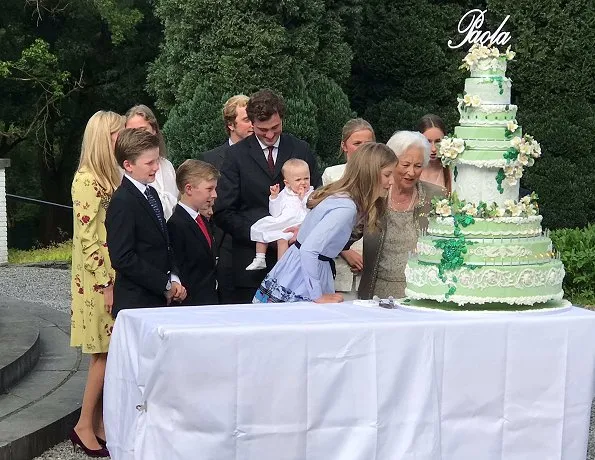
(196,231)
(144,202)
(257,154)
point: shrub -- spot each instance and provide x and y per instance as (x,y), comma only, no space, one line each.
(577,249)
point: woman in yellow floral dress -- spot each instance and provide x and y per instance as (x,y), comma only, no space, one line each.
(94,182)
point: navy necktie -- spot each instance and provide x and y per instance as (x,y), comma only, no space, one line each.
(153,203)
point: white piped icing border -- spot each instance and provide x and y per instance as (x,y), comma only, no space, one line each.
(483,163)
(564,305)
(505,220)
(462,300)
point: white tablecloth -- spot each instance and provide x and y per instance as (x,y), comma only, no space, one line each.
(344,382)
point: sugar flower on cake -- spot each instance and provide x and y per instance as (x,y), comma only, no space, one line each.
(512,126)
(470,101)
(513,173)
(443,208)
(509,54)
(469,209)
(482,57)
(513,208)
(450,149)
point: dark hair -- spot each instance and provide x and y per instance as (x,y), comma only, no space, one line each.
(263,104)
(131,144)
(431,121)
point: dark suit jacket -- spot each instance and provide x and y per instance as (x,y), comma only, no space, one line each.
(138,249)
(217,155)
(224,247)
(243,197)
(195,260)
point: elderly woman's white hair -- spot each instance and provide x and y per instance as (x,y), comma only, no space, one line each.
(402,141)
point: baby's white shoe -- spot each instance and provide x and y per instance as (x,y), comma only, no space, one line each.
(259,263)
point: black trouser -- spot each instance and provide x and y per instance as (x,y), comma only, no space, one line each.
(243,294)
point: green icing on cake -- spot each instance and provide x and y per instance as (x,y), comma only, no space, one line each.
(497,133)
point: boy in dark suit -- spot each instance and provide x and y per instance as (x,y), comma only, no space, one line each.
(191,240)
(137,238)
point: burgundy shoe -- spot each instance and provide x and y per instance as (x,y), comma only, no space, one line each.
(101,442)
(78,444)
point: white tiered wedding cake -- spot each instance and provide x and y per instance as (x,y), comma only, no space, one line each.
(483,245)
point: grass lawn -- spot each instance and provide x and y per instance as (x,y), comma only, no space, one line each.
(55,253)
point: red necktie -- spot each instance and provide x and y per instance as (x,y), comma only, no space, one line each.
(203,227)
(270,160)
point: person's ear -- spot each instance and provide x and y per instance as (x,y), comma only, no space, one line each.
(127,165)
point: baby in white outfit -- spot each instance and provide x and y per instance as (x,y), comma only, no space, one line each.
(287,209)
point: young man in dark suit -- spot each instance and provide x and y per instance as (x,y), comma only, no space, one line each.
(191,240)
(137,238)
(250,167)
(238,126)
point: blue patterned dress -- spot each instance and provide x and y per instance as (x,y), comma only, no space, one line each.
(299,275)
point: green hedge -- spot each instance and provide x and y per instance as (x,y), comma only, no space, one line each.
(577,247)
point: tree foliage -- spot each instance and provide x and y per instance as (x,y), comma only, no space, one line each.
(554,87)
(295,47)
(61,61)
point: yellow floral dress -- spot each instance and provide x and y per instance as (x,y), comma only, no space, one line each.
(90,325)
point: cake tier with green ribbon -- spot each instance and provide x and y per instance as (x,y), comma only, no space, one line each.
(490,251)
(509,284)
(497,227)
(491,90)
(495,133)
(487,115)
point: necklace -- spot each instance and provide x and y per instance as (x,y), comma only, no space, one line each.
(396,204)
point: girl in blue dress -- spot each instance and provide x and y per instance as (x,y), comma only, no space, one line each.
(305,272)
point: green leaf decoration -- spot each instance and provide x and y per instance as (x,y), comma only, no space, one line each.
(500,82)
(453,250)
(500,178)
(455,173)
(511,154)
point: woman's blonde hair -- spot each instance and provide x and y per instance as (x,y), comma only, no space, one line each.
(147,114)
(353,126)
(97,150)
(361,181)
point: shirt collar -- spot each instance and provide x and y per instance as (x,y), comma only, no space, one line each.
(139,185)
(266,147)
(189,210)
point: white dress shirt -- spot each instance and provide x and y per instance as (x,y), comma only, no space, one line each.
(265,149)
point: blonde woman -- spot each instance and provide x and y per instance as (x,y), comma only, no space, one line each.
(142,117)
(305,272)
(94,183)
(356,132)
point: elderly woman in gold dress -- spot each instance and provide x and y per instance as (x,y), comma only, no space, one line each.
(386,252)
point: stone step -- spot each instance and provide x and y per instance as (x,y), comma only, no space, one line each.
(19,342)
(38,411)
